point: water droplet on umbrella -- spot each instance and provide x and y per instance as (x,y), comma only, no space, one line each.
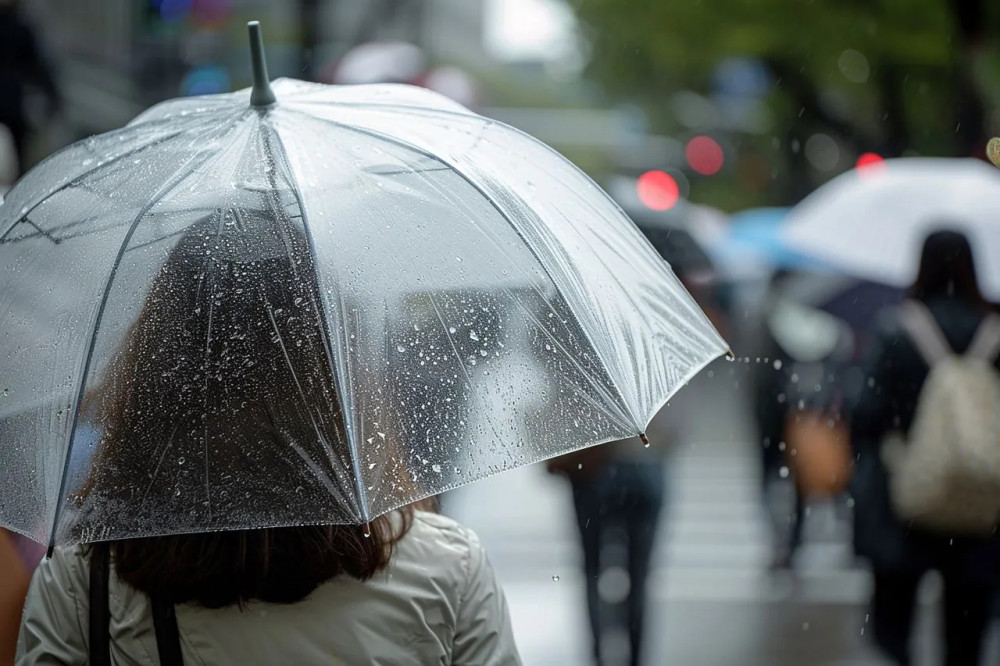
(371,465)
(452,330)
(400,348)
(473,336)
(555,578)
(436,468)
(181,460)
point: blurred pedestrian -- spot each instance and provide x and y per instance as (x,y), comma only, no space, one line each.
(801,349)
(410,587)
(21,64)
(618,495)
(902,550)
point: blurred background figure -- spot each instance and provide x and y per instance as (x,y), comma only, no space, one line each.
(618,493)
(801,349)
(902,551)
(22,65)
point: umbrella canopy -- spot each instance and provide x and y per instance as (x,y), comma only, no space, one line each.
(314,304)
(871,222)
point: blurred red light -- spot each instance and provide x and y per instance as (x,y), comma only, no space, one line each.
(658,190)
(704,155)
(870,160)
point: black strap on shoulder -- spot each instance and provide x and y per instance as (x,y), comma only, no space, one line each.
(168,638)
(100,614)
(168,641)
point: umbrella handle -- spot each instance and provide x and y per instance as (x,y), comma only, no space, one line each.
(261,95)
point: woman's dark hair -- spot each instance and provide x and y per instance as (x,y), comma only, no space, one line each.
(227,369)
(947,269)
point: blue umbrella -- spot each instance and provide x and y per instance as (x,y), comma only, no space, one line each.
(754,244)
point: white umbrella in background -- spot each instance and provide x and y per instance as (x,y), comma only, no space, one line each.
(871,222)
(380,62)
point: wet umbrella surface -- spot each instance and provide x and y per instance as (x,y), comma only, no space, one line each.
(314,310)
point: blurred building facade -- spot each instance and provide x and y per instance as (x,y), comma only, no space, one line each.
(115,57)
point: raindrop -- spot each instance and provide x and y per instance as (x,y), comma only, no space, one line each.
(5,393)
(371,465)
(458,259)
(805,626)
(783,472)
(400,348)
(367,530)
(473,336)
(482,352)
(381,435)
(298,300)
(181,460)
(777,364)
(555,578)
(436,468)
(452,330)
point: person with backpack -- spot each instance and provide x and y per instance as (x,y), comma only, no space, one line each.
(926,433)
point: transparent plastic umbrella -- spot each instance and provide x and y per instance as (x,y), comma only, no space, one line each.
(314,305)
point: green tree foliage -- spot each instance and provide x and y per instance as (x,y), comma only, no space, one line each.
(930,74)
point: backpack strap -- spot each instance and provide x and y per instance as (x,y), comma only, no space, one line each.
(925,333)
(168,642)
(168,638)
(100,613)
(986,344)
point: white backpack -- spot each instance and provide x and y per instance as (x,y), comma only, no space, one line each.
(947,477)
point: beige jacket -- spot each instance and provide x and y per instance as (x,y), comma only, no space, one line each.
(438,603)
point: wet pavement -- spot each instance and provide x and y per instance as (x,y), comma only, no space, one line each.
(712,599)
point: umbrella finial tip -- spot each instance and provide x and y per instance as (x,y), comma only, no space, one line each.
(261,95)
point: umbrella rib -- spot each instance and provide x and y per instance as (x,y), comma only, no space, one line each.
(345,382)
(176,179)
(621,403)
(82,176)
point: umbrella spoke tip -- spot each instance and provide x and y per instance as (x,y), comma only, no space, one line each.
(644,439)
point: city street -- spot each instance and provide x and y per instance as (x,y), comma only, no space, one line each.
(712,599)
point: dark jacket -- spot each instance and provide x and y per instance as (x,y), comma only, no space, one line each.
(894,375)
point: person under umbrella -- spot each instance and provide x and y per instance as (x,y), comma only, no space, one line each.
(409,586)
(902,548)
(226,282)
